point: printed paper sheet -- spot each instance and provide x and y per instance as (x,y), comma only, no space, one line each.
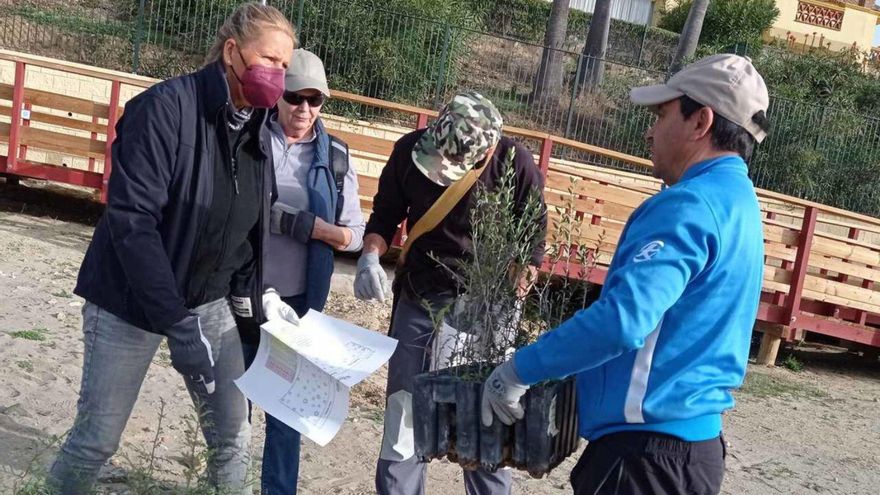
(302,373)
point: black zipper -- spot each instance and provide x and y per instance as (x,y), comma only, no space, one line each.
(230,205)
(234,159)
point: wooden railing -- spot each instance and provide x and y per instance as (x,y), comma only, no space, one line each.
(822,263)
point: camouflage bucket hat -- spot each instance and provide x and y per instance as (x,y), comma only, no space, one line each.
(465,129)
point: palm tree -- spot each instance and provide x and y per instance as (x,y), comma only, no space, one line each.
(593,57)
(690,34)
(548,80)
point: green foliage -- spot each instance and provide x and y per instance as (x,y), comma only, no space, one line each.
(793,364)
(824,141)
(25,365)
(33,486)
(190,20)
(821,77)
(67,20)
(727,22)
(763,385)
(489,309)
(494,315)
(398,50)
(526,20)
(36,334)
(520,19)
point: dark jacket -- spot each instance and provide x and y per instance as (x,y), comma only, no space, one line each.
(406,194)
(139,263)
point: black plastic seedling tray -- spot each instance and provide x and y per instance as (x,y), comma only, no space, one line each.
(446,419)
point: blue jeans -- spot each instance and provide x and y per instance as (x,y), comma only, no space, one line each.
(281,450)
(115,362)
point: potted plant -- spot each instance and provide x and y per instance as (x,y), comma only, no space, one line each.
(488,323)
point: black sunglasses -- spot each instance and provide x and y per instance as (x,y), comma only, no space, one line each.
(296,99)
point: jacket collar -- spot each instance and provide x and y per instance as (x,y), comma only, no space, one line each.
(727,161)
(214,89)
(215,97)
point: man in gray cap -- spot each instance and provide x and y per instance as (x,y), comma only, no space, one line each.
(317,211)
(424,164)
(657,355)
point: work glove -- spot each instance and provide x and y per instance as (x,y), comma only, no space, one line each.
(370,281)
(276,309)
(492,325)
(293,223)
(501,394)
(191,353)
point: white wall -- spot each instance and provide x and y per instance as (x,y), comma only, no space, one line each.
(634,11)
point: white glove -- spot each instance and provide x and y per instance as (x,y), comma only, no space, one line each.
(370,281)
(501,394)
(274,308)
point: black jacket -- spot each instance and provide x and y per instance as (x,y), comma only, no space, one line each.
(405,193)
(139,263)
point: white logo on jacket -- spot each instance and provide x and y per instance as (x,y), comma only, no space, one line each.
(648,251)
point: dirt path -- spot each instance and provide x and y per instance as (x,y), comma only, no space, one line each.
(817,431)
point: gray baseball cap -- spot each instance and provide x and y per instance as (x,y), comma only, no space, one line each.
(306,71)
(728,84)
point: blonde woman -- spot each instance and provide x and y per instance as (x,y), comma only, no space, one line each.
(177,254)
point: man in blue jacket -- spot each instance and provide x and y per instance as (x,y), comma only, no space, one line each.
(656,356)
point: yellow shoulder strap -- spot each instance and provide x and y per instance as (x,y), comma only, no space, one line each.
(438,211)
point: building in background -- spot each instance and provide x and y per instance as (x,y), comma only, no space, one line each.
(639,12)
(833,24)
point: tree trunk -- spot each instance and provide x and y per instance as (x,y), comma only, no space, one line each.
(690,34)
(548,80)
(593,64)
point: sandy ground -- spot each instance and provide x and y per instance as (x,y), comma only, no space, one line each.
(817,431)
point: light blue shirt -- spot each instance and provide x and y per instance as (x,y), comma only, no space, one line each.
(286,261)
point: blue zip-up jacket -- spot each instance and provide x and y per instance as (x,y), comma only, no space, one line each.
(668,338)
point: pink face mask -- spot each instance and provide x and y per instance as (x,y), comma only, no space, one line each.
(261,86)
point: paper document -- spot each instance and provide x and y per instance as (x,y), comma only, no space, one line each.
(302,373)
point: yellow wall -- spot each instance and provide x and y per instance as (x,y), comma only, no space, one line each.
(858,27)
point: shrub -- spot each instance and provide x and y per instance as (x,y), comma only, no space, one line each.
(824,154)
(392,50)
(186,22)
(793,364)
(821,77)
(727,22)
(526,20)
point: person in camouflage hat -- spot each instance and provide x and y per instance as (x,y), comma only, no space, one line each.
(466,134)
(465,130)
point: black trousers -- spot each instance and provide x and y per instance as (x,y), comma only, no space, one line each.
(635,463)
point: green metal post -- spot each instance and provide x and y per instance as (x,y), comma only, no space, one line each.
(138,36)
(441,71)
(820,125)
(299,17)
(574,92)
